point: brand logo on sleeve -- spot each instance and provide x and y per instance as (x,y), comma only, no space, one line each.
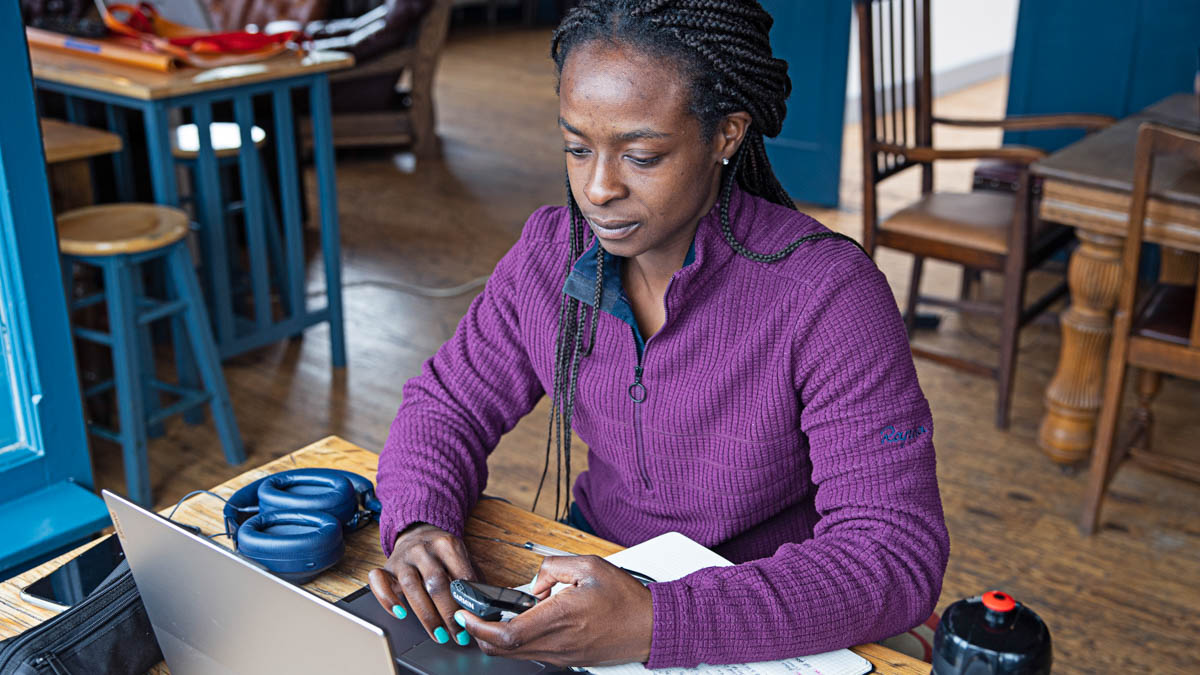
(890,434)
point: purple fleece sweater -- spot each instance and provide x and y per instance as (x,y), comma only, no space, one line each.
(783,426)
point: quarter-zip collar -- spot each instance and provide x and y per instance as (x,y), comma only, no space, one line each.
(708,252)
(581,285)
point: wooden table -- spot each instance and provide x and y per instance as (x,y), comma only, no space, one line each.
(492,518)
(1088,185)
(157,97)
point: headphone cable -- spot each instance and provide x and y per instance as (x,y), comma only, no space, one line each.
(195,529)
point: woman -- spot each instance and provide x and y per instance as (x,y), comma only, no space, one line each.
(746,379)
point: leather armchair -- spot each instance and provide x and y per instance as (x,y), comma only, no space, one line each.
(374,103)
(230,15)
(388,26)
(388,41)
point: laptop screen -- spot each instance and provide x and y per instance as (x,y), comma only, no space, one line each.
(214,612)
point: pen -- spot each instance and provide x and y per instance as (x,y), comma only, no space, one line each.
(546,550)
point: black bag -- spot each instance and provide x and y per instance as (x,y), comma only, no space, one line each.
(108,632)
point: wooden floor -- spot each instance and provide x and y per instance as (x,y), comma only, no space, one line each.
(1124,600)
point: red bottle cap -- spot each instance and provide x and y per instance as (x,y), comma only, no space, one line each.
(999,601)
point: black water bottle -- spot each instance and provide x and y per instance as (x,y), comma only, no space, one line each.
(992,634)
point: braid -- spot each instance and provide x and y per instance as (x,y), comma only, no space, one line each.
(723,49)
(569,349)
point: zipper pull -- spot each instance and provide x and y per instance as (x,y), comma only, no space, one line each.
(637,390)
(50,659)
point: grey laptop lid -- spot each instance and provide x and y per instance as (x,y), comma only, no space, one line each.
(214,612)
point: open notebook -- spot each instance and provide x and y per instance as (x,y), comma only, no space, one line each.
(672,556)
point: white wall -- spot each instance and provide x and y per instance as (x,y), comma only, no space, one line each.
(972,42)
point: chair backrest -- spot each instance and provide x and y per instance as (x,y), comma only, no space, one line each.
(1153,141)
(895,69)
(229,15)
(897,91)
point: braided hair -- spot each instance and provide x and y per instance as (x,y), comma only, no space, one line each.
(722,48)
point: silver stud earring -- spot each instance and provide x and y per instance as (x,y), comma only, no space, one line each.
(725,161)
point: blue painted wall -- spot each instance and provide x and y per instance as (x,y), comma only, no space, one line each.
(813,36)
(1101,56)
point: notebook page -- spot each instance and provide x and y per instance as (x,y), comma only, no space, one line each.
(840,662)
(672,556)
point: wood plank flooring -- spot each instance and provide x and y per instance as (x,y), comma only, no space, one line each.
(1122,601)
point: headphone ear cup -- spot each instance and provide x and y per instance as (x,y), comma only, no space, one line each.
(295,545)
(309,490)
(365,490)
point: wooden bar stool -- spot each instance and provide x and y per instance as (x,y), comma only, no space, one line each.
(235,295)
(119,239)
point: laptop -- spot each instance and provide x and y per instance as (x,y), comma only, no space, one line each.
(216,612)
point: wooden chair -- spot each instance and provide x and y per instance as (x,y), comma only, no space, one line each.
(980,230)
(1160,335)
(415,65)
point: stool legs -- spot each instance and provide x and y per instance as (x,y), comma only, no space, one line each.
(279,271)
(129,317)
(119,287)
(230,307)
(145,352)
(214,233)
(183,281)
(185,367)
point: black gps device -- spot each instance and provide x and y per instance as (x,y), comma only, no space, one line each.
(487,601)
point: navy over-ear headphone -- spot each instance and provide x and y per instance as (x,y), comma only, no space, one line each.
(292,522)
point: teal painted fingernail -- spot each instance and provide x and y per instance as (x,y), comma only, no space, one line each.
(458,619)
(399,611)
(441,636)
(463,638)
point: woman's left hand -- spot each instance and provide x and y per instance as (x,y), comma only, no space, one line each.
(605,616)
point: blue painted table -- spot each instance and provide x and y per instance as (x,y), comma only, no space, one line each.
(156,96)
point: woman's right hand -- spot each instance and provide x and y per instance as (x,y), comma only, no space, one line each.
(417,576)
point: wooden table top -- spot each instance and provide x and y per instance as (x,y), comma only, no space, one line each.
(1179,110)
(1105,158)
(65,142)
(142,83)
(502,564)
(1088,183)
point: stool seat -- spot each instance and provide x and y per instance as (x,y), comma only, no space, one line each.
(226,139)
(113,229)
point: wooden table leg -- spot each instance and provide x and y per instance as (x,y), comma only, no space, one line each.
(1074,395)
